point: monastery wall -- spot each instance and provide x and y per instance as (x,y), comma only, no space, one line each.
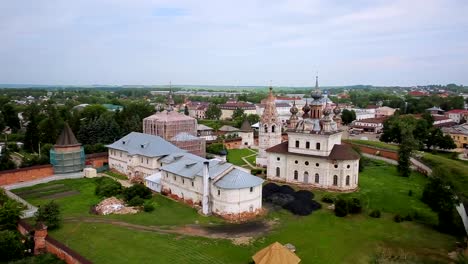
(26,174)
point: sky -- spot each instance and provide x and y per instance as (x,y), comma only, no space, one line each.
(216,42)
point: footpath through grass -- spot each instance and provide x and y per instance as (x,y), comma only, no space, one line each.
(235,156)
(319,238)
(377,144)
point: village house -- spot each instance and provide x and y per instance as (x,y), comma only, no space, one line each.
(457,115)
(231,105)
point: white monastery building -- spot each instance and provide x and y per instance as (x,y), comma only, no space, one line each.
(219,187)
(313,154)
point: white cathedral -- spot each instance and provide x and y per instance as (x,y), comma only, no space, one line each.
(313,154)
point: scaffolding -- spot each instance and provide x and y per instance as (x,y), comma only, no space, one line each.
(66,162)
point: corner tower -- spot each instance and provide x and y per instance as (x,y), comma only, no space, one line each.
(270,128)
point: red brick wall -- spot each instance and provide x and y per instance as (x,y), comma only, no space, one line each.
(97,160)
(55,247)
(389,154)
(25,174)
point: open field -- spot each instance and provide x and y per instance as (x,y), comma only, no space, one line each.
(319,238)
(377,144)
(234,156)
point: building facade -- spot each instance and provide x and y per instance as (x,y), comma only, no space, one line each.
(313,154)
(219,187)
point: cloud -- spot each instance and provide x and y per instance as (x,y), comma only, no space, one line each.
(125,41)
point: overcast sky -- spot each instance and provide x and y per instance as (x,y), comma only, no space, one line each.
(403,42)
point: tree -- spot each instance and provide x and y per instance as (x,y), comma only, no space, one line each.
(5,161)
(10,213)
(186,110)
(92,112)
(10,116)
(405,150)
(2,122)
(213,112)
(11,247)
(253,118)
(341,207)
(51,126)
(438,194)
(102,130)
(31,138)
(348,116)
(49,214)
(238,112)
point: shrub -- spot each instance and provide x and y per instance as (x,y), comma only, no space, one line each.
(11,247)
(257,171)
(136,201)
(354,206)
(10,213)
(303,195)
(398,219)
(137,190)
(49,214)
(269,189)
(107,187)
(375,214)
(328,198)
(286,189)
(215,148)
(341,207)
(148,206)
(280,199)
(410,193)
(408,217)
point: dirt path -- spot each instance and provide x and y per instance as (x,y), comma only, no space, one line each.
(237,233)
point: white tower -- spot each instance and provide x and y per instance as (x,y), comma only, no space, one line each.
(269,130)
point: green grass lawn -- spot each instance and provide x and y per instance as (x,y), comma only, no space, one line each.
(234,156)
(319,238)
(116,175)
(377,144)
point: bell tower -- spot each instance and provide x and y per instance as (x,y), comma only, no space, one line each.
(269,130)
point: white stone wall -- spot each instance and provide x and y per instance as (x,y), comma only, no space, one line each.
(326,143)
(247,138)
(326,170)
(234,201)
(135,165)
(267,139)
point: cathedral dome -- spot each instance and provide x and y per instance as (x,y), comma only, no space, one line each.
(337,110)
(308,126)
(294,109)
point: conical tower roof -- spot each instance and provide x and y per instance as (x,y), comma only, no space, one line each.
(275,254)
(246,126)
(270,114)
(67,138)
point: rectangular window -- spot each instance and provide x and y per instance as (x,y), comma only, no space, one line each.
(219,192)
(297,143)
(251,189)
(307,145)
(183,181)
(147,161)
(192,184)
(141,160)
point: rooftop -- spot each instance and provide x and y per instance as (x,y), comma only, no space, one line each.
(145,144)
(169,116)
(339,152)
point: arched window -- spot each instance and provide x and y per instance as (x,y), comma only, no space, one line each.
(306,177)
(273,129)
(296,175)
(307,145)
(317,178)
(335,180)
(317,146)
(347,180)
(266,128)
(277,171)
(297,143)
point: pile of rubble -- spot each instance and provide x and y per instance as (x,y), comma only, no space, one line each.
(113,205)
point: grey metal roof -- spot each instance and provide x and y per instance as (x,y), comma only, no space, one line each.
(189,165)
(144,144)
(227,128)
(238,179)
(203,127)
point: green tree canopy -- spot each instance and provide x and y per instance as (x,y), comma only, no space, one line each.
(213,112)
